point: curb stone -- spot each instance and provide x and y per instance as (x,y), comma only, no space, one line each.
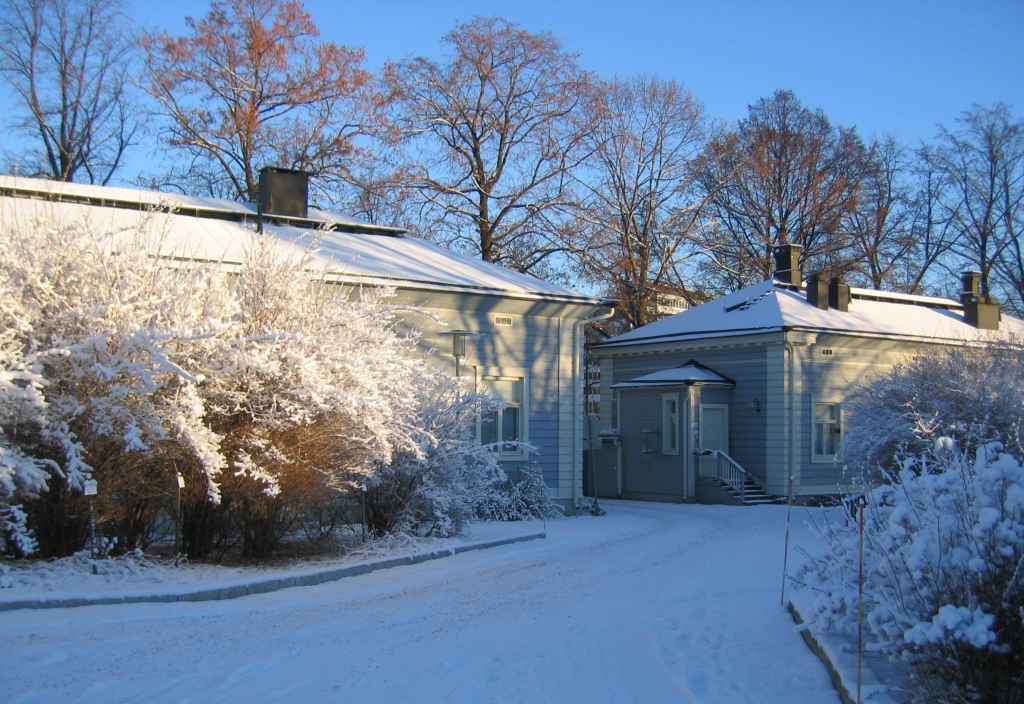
(815,647)
(266,586)
(882,683)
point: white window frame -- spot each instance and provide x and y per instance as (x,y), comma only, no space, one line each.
(701,425)
(826,459)
(519,454)
(668,428)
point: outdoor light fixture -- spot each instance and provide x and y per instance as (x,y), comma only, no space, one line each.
(757,405)
(458,344)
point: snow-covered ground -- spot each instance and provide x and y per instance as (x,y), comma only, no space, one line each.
(651,603)
(79,577)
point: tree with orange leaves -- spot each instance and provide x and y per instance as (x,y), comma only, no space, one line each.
(250,86)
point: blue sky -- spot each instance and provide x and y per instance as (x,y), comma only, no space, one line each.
(886,67)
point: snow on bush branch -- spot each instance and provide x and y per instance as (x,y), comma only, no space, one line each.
(121,365)
(944,566)
(944,529)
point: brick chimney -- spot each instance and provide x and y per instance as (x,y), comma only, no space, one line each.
(982,314)
(826,290)
(787,264)
(818,289)
(838,294)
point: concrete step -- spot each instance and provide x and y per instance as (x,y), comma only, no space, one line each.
(753,494)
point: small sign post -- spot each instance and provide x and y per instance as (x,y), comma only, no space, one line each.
(862,502)
(177,523)
(362,495)
(90,489)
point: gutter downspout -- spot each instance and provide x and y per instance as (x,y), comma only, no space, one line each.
(794,409)
(577,361)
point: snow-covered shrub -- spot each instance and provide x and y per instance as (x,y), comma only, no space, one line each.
(262,385)
(436,483)
(970,396)
(524,496)
(83,361)
(944,572)
(118,366)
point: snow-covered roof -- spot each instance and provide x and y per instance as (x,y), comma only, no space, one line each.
(770,306)
(687,374)
(213,230)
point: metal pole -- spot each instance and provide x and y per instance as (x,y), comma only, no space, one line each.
(362,494)
(860,609)
(785,554)
(92,530)
(177,526)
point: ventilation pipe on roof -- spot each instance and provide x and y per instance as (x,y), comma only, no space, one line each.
(284,192)
(818,289)
(982,314)
(787,264)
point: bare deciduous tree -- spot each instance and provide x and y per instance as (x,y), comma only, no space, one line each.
(497,129)
(783,175)
(931,226)
(68,61)
(879,227)
(637,214)
(250,86)
(982,164)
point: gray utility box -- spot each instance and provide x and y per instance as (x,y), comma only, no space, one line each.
(284,192)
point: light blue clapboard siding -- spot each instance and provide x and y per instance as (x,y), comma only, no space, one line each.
(747,366)
(531,347)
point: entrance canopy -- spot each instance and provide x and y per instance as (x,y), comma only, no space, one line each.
(690,374)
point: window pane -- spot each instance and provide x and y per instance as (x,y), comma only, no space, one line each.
(510,423)
(826,411)
(670,424)
(505,390)
(831,439)
(489,428)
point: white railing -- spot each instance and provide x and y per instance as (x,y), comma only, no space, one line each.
(729,471)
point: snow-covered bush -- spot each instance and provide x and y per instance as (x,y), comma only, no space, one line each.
(435,484)
(263,387)
(944,572)
(524,496)
(971,396)
(936,444)
(84,327)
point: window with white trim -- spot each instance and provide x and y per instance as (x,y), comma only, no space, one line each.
(670,424)
(504,424)
(827,435)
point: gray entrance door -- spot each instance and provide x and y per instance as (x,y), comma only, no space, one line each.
(714,434)
(648,471)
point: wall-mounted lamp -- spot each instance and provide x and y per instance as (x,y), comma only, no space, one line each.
(756,403)
(458,344)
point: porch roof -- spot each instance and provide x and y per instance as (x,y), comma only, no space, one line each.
(686,375)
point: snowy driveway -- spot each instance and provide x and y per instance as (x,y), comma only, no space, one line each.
(652,603)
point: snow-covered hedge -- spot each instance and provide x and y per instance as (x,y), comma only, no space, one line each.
(262,387)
